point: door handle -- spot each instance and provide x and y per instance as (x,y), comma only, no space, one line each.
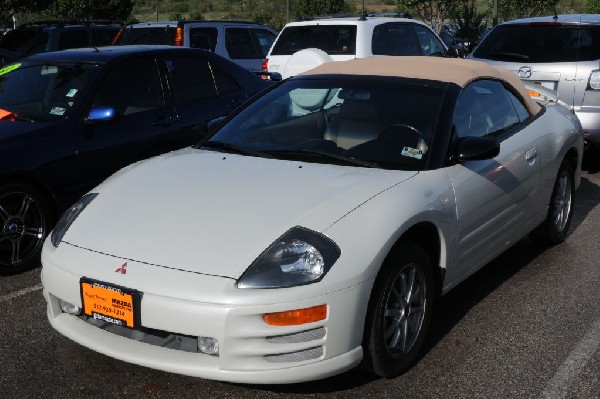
(531,156)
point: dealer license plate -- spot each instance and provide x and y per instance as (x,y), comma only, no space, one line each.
(110,303)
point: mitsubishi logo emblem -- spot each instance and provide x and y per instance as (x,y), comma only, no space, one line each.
(122,269)
(525,72)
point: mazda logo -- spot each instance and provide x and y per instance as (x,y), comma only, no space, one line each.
(525,72)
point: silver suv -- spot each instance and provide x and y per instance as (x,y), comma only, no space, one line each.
(561,53)
(245,43)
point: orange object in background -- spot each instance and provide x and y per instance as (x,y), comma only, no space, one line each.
(7,115)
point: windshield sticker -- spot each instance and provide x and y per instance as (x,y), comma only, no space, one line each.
(9,68)
(412,152)
(71,93)
(49,70)
(57,111)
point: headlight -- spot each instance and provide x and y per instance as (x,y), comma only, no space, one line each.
(298,257)
(68,217)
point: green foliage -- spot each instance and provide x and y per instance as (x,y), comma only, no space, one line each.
(470,22)
(175,16)
(593,7)
(511,9)
(8,8)
(196,16)
(433,12)
(115,10)
(319,7)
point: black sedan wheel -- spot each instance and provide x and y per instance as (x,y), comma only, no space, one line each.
(399,311)
(24,220)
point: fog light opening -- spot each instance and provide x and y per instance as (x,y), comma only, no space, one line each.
(69,308)
(208,345)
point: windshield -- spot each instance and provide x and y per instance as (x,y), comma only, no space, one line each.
(544,43)
(368,122)
(43,92)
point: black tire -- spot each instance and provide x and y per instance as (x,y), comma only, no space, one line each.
(555,228)
(25,220)
(392,343)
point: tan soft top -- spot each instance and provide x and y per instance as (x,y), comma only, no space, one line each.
(451,70)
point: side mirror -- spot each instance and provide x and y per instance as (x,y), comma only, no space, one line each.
(101,114)
(213,124)
(476,148)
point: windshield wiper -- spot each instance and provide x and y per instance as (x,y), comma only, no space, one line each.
(22,118)
(340,159)
(222,146)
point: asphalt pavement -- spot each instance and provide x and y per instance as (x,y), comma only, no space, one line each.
(525,326)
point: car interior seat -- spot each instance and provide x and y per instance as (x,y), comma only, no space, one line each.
(358,121)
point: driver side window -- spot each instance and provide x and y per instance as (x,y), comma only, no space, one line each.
(430,45)
(484,109)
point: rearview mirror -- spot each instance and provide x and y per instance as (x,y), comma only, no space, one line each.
(476,148)
(213,124)
(101,114)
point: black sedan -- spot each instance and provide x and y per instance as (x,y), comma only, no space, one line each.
(70,119)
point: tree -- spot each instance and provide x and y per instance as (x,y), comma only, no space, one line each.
(320,7)
(8,8)
(593,7)
(115,10)
(471,23)
(511,9)
(432,12)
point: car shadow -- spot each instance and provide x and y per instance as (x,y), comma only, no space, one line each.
(455,305)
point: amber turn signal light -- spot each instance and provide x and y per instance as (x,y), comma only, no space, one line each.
(296,317)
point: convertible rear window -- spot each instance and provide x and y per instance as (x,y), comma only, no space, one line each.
(332,39)
(383,123)
(541,43)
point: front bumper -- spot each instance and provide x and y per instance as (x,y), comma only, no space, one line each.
(250,351)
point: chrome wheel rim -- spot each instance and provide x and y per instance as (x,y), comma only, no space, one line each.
(404,311)
(562,202)
(23,228)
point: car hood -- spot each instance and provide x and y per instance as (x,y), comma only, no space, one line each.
(10,129)
(215,213)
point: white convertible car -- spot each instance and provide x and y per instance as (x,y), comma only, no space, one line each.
(315,230)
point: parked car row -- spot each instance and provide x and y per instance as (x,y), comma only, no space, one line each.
(316,228)
(228,227)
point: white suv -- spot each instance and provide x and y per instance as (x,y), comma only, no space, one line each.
(304,45)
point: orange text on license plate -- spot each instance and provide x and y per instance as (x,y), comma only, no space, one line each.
(108,303)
